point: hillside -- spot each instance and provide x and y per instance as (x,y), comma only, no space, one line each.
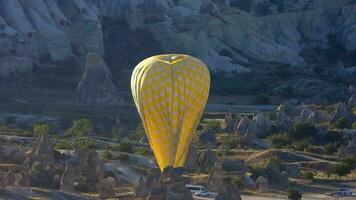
(285,48)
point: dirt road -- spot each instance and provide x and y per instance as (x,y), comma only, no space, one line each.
(306,196)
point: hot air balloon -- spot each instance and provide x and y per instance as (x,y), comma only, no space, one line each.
(170,93)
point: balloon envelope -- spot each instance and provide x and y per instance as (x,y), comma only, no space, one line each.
(170,92)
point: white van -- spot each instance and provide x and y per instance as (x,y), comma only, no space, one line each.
(197,190)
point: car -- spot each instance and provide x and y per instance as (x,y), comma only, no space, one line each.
(198,190)
(201,193)
(343,192)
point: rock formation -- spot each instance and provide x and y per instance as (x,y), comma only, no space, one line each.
(262,184)
(262,123)
(275,175)
(206,160)
(83,163)
(41,152)
(348,151)
(342,111)
(216,177)
(229,122)
(15,71)
(352,102)
(192,158)
(246,130)
(96,86)
(208,137)
(50,31)
(67,180)
(228,191)
(318,117)
(153,177)
(141,188)
(292,171)
(170,187)
(106,188)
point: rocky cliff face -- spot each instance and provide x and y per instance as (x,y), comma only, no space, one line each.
(311,44)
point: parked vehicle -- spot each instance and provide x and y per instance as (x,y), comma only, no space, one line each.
(198,190)
(343,192)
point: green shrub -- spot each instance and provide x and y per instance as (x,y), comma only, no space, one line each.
(303,130)
(85,143)
(308,175)
(107,155)
(302,145)
(330,148)
(122,157)
(229,142)
(280,140)
(81,127)
(353,126)
(142,151)
(64,144)
(123,147)
(41,128)
(261,100)
(277,161)
(238,182)
(41,176)
(294,194)
(342,169)
(214,125)
(351,162)
(138,133)
(341,123)
(333,136)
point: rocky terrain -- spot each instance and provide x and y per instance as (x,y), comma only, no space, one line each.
(284,47)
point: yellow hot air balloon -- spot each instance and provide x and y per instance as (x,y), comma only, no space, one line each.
(170,92)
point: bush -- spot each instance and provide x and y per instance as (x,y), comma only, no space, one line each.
(85,143)
(342,169)
(138,133)
(41,176)
(229,142)
(308,175)
(353,126)
(215,125)
(330,148)
(333,136)
(277,161)
(142,151)
(123,147)
(41,128)
(341,123)
(107,155)
(81,127)
(261,100)
(122,157)
(238,182)
(303,130)
(351,162)
(303,145)
(294,194)
(64,144)
(280,140)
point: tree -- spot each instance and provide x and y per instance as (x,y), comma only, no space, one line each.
(41,128)
(81,127)
(294,194)
(341,123)
(303,130)
(342,169)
